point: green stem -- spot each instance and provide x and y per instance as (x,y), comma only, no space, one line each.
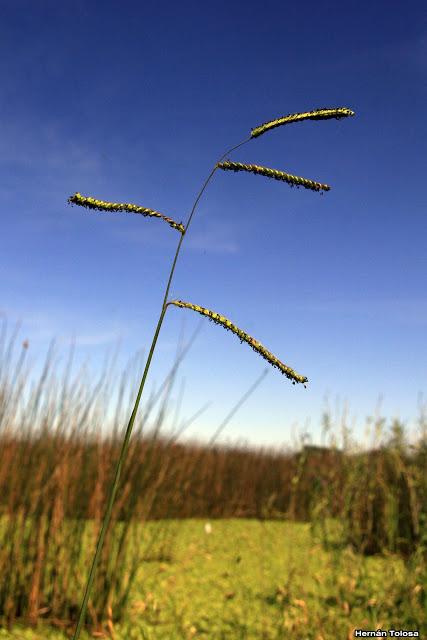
(125,444)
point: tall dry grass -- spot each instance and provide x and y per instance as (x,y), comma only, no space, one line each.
(57,455)
(56,466)
(55,471)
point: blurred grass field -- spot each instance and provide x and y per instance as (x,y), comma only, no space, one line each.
(206,540)
(252,579)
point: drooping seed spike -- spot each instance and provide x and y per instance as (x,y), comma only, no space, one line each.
(317,114)
(244,337)
(228,165)
(101,205)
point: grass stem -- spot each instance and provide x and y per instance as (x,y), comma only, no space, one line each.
(125,444)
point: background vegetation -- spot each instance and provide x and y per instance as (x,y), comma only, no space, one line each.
(207,541)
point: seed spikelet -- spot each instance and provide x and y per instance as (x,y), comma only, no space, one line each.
(273,173)
(92,203)
(244,337)
(317,114)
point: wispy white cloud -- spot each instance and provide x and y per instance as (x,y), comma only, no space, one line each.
(411,52)
(94,339)
(46,146)
(46,165)
(410,311)
(42,325)
(210,240)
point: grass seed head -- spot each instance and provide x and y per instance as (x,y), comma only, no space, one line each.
(244,337)
(101,205)
(317,114)
(228,165)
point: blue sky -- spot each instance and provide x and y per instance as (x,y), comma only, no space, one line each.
(135,102)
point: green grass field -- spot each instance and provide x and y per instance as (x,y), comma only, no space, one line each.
(258,579)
